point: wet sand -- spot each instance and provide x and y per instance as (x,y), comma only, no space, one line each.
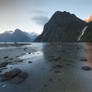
(44,76)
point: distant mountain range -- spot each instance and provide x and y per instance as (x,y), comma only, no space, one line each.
(17,36)
(62,27)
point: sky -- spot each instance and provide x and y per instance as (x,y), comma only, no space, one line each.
(31,15)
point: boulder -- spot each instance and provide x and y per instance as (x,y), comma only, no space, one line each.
(11,74)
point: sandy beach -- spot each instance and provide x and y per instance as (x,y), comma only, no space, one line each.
(53,68)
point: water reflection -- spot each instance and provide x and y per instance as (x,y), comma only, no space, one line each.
(67,51)
(88,53)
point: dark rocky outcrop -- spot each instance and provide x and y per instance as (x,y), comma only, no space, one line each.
(63,26)
(87,36)
(16,76)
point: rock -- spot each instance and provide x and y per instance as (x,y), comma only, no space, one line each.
(25,49)
(51,44)
(20,78)
(11,74)
(83,59)
(68,64)
(57,71)
(4,64)
(45,85)
(29,53)
(58,66)
(20,61)
(17,80)
(6,57)
(86,68)
(23,75)
(29,61)
(15,75)
(50,79)
(56,58)
(11,59)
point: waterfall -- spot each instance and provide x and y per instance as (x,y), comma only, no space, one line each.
(83,31)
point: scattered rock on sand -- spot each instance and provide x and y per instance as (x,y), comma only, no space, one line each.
(6,57)
(4,64)
(11,74)
(11,59)
(57,71)
(58,66)
(25,49)
(29,53)
(50,79)
(20,78)
(51,44)
(29,61)
(20,61)
(86,68)
(15,75)
(68,64)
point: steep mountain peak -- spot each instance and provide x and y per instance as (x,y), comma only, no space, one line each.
(63,18)
(17,30)
(61,13)
(89,19)
(63,26)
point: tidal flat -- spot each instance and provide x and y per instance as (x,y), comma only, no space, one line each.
(51,67)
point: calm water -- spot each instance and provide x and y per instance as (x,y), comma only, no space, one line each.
(42,75)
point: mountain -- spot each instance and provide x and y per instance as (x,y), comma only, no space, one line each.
(89,19)
(62,26)
(17,36)
(87,36)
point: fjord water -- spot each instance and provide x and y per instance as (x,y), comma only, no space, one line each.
(43,77)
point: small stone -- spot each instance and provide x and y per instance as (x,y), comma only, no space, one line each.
(29,53)
(58,66)
(50,79)
(23,75)
(16,80)
(86,68)
(83,59)
(4,64)
(51,43)
(56,58)
(29,61)
(6,57)
(25,49)
(45,85)
(11,59)
(68,64)
(57,71)
(20,60)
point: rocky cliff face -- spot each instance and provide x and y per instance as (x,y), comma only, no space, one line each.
(62,27)
(87,36)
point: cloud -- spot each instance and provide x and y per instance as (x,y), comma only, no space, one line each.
(38,11)
(41,20)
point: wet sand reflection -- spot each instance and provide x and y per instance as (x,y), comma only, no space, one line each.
(88,53)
